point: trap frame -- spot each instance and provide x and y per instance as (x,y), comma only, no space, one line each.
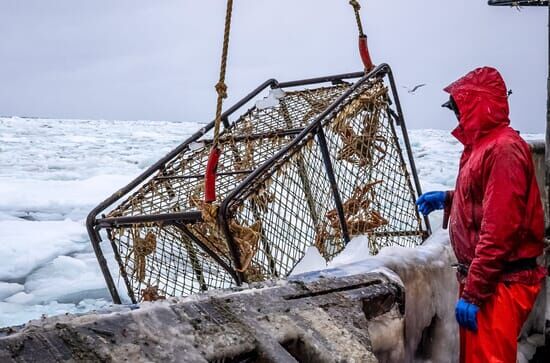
(316,167)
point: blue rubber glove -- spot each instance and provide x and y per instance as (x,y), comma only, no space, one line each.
(430,201)
(466,314)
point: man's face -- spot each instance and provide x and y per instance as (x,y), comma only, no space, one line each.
(451,105)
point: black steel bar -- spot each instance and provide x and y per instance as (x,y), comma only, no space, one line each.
(264,135)
(192,254)
(223,220)
(166,217)
(305,82)
(123,272)
(397,233)
(393,116)
(225,122)
(406,141)
(301,165)
(183,228)
(265,242)
(95,239)
(333,184)
(198,176)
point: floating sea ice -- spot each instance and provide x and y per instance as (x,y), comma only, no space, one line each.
(52,173)
(67,279)
(16,314)
(26,245)
(37,198)
(8,289)
(20,298)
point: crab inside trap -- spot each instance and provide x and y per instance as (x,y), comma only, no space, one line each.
(313,164)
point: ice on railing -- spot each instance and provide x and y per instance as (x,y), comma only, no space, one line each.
(271,100)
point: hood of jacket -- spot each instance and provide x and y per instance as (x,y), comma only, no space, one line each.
(482,101)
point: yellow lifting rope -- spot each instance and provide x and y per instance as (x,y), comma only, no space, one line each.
(221,89)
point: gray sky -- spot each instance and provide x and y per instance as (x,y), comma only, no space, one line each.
(159,60)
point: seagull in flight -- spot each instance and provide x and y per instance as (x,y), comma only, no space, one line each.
(415,88)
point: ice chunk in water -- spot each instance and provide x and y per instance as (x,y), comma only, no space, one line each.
(8,289)
(20,298)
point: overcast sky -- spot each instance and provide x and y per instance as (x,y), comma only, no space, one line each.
(159,60)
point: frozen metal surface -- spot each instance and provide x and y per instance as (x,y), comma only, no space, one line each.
(321,321)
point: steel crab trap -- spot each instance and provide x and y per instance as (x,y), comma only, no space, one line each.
(316,162)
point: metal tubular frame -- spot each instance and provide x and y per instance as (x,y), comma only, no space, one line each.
(333,184)
(94,224)
(400,121)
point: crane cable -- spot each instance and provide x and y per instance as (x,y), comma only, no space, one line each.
(221,89)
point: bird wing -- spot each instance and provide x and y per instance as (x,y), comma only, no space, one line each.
(417,87)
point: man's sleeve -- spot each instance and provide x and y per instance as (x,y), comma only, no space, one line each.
(505,182)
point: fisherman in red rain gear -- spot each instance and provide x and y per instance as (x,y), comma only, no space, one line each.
(496,220)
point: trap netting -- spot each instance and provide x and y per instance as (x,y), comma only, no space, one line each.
(304,167)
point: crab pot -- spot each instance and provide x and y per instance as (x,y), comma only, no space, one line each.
(317,162)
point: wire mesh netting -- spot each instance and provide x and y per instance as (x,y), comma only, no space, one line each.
(287,179)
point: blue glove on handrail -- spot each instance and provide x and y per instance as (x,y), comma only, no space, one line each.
(466,314)
(430,201)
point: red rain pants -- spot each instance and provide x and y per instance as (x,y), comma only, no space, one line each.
(499,323)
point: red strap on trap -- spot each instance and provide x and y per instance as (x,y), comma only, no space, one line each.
(364,52)
(210,176)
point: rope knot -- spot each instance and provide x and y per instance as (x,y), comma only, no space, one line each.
(355,5)
(221,88)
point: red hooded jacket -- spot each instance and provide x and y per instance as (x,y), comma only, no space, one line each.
(496,214)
